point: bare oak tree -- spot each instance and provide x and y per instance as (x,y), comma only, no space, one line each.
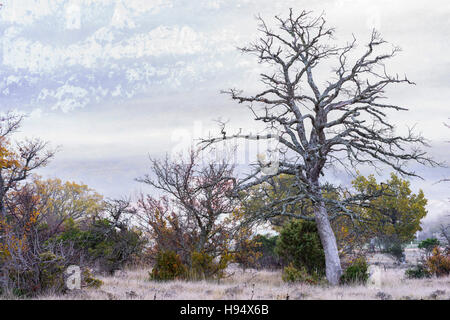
(342,121)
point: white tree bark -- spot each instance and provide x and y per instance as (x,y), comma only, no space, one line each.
(328,239)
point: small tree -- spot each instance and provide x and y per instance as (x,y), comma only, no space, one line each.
(194,218)
(28,264)
(428,245)
(22,251)
(394,217)
(445,227)
(61,201)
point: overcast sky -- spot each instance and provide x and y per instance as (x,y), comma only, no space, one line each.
(113,81)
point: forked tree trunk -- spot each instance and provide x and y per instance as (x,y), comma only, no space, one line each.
(328,239)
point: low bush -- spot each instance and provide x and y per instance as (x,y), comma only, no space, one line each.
(299,244)
(293,274)
(395,249)
(34,274)
(268,257)
(89,281)
(204,266)
(419,271)
(246,250)
(51,272)
(438,263)
(104,243)
(356,272)
(168,266)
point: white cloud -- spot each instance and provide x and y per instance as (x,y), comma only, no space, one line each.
(98,49)
(122,17)
(121,51)
(117,91)
(65,98)
(36,113)
(12,80)
(26,12)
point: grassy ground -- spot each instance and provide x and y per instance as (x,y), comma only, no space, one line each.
(387,282)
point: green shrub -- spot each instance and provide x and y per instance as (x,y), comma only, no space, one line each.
(292,274)
(46,275)
(203,266)
(104,243)
(395,249)
(419,271)
(168,266)
(299,244)
(429,244)
(268,257)
(51,272)
(356,272)
(89,281)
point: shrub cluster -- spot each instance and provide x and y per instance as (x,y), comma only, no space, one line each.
(168,266)
(437,264)
(394,248)
(103,243)
(34,255)
(293,274)
(88,279)
(299,244)
(418,271)
(268,257)
(47,275)
(356,272)
(205,266)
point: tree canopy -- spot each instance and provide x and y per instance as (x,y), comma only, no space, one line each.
(395,214)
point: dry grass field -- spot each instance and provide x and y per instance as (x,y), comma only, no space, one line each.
(387,282)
